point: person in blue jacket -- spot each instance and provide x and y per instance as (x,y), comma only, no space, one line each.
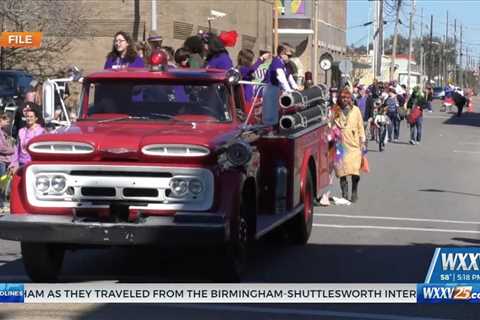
(123,53)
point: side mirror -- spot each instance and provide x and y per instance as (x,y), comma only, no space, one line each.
(48,100)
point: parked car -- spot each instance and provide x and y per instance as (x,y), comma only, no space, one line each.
(438,93)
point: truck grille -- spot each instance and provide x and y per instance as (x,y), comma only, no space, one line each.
(98,186)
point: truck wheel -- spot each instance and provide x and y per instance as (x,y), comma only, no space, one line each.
(42,261)
(235,253)
(300,227)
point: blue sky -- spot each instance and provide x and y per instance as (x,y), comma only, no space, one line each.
(466,12)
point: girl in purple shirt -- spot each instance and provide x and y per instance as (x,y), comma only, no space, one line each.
(33,128)
(123,53)
(246,68)
(217,55)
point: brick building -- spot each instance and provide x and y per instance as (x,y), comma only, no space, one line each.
(176,20)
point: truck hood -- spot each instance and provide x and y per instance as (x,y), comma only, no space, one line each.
(125,139)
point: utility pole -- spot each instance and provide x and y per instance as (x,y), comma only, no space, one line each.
(455,76)
(422,71)
(378,62)
(447,54)
(315,43)
(154,16)
(410,30)
(430,60)
(275,30)
(461,54)
(395,35)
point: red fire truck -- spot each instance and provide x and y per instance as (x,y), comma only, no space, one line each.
(161,157)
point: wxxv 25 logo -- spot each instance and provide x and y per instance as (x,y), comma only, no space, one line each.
(454,265)
(438,293)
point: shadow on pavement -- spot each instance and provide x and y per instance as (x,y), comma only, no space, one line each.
(268,262)
(467,119)
(467,240)
(448,191)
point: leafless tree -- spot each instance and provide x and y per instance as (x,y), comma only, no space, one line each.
(59,21)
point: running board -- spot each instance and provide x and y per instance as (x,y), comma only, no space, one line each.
(268,222)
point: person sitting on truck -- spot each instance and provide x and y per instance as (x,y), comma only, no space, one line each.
(34,127)
(217,55)
(348,118)
(194,45)
(123,53)
(247,68)
(277,80)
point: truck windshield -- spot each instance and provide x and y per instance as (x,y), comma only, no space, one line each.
(159,101)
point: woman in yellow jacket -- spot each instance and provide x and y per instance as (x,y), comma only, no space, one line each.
(348,118)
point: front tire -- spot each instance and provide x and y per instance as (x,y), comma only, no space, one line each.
(234,254)
(42,261)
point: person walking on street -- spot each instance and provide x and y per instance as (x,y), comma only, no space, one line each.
(416,104)
(6,151)
(348,118)
(391,103)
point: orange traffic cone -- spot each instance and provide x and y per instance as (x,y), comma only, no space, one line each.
(470,105)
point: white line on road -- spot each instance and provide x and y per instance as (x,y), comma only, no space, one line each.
(303,312)
(466,151)
(394,218)
(341,226)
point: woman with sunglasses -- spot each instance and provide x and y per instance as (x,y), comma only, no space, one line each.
(278,79)
(123,53)
(348,118)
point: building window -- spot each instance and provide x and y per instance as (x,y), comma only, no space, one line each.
(182,30)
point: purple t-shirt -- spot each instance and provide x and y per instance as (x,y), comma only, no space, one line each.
(362,103)
(271,76)
(116,63)
(21,155)
(247,75)
(220,61)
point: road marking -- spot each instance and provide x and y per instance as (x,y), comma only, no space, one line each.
(394,218)
(466,151)
(302,312)
(341,226)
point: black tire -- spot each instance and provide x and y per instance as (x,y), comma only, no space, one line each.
(234,254)
(42,261)
(299,227)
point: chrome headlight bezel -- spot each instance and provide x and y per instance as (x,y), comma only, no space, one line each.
(46,182)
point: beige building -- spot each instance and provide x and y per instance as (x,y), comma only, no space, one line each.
(176,20)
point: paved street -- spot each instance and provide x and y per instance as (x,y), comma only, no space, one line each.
(415,199)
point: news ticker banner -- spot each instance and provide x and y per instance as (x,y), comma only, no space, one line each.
(208,293)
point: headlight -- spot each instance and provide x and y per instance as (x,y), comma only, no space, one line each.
(58,183)
(42,183)
(179,187)
(195,186)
